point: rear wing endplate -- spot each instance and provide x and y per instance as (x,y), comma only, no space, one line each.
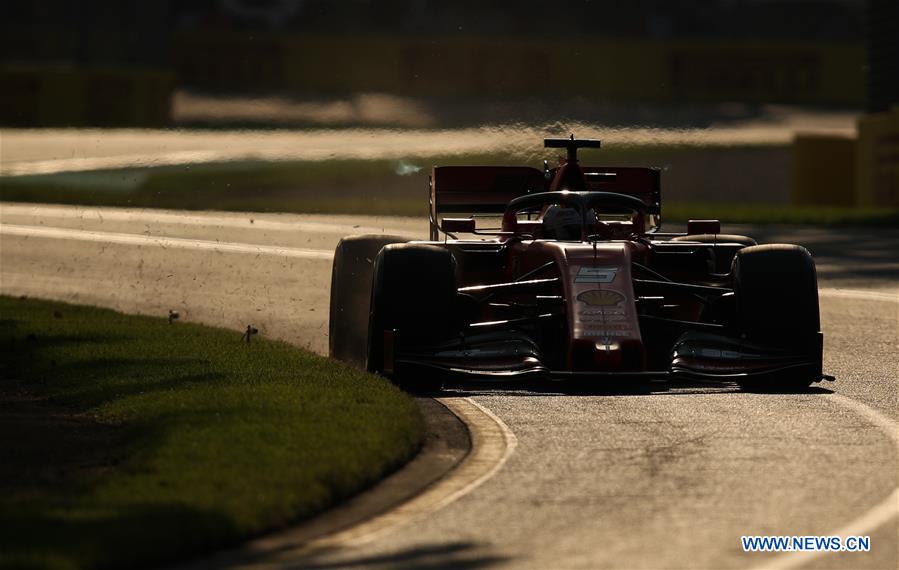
(478,189)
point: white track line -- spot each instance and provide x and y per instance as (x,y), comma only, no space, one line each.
(170,217)
(492,443)
(56,165)
(887,296)
(163,242)
(885,510)
(878,515)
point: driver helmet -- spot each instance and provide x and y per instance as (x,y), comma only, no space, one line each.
(562,223)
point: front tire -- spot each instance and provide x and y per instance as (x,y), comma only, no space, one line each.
(776,298)
(414,294)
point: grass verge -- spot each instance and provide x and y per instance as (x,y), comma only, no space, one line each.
(127,441)
(396,187)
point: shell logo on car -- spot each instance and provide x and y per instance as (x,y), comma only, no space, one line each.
(601,298)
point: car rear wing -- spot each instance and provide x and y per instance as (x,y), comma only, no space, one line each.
(478,189)
(489,189)
(638,181)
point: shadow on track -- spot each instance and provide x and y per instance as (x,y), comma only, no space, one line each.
(643,388)
(451,555)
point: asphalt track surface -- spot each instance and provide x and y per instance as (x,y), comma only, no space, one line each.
(669,479)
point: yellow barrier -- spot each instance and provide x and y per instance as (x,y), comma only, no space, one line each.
(824,170)
(862,171)
(877,179)
(45,96)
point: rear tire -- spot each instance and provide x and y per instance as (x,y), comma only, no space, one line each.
(351,282)
(720,261)
(776,297)
(414,293)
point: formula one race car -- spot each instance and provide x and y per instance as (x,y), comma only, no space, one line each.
(566,275)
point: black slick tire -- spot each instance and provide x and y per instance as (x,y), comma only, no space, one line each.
(414,294)
(351,283)
(776,298)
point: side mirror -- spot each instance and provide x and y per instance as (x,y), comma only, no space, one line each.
(457,225)
(703,227)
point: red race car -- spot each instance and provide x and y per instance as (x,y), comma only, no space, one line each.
(564,274)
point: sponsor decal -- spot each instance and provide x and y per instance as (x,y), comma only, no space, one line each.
(611,313)
(601,298)
(603,326)
(607,334)
(601,318)
(596,274)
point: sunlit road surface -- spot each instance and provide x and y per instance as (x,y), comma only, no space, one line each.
(666,480)
(48,151)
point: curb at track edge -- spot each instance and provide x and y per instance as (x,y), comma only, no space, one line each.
(465,446)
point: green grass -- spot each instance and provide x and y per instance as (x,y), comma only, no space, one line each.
(126,441)
(377,187)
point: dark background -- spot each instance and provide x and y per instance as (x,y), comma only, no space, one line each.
(106,62)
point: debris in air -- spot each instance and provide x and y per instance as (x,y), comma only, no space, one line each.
(404,168)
